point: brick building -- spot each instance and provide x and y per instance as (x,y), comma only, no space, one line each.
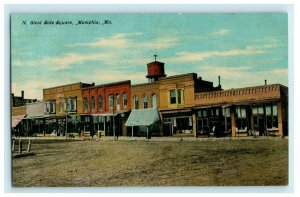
(260,110)
(18,112)
(144,118)
(180,105)
(63,106)
(106,107)
(17,101)
(177,100)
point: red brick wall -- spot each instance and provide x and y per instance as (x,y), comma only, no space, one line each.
(105,91)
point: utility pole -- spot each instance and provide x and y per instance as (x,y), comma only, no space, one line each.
(114,117)
(66,124)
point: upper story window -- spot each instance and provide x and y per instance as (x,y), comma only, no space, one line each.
(154,101)
(118,101)
(50,107)
(124,100)
(71,104)
(145,101)
(179,96)
(176,96)
(111,101)
(85,105)
(100,102)
(136,102)
(172,96)
(93,103)
(61,107)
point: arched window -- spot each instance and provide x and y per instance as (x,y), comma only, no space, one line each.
(118,101)
(125,100)
(85,105)
(93,103)
(154,101)
(111,101)
(136,102)
(145,101)
(100,102)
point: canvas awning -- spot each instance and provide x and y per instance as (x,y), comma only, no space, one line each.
(142,117)
(15,120)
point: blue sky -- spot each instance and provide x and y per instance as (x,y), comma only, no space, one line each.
(244,49)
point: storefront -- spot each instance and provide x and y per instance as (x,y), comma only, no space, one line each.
(177,122)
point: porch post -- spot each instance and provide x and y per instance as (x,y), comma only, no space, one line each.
(279,111)
(194,125)
(131,131)
(233,131)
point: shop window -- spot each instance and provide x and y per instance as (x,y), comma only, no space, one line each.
(204,113)
(241,119)
(202,122)
(272,117)
(136,102)
(227,120)
(145,101)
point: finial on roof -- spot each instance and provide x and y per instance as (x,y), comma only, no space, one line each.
(155,57)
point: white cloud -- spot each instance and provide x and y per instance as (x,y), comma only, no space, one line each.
(200,56)
(242,76)
(221,32)
(128,41)
(283,71)
(118,41)
(63,62)
(159,43)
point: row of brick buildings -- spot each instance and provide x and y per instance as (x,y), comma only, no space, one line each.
(184,105)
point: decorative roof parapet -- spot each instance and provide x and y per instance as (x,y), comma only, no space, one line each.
(239,94)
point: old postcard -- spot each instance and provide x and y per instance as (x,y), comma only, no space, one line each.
(161,99)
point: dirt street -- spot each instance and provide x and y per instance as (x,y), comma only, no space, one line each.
(153,163)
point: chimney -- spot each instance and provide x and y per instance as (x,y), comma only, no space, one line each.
(219,80)
(22,94)
(265,82)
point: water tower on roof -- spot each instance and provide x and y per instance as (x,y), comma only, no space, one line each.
(156,70)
